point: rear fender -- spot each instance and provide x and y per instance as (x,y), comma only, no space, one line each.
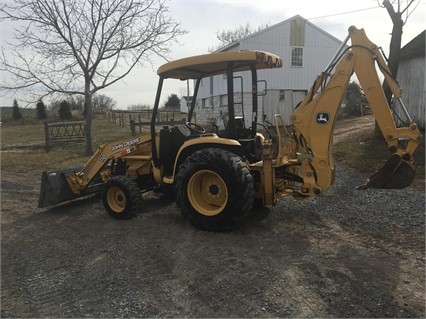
(202,142)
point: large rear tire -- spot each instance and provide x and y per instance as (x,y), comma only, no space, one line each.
(214,189)
(121,197)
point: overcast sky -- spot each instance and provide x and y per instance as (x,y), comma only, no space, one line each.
(202,18)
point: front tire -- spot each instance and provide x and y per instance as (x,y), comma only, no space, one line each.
(214,189)
(121,197)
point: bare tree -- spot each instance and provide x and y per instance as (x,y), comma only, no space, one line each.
(80,47)
(103,103)
(399,18)
(227,37)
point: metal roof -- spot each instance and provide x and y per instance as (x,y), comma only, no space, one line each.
(217,63)
(414,48)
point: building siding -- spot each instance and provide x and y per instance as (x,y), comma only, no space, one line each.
(318,49)
(411,77)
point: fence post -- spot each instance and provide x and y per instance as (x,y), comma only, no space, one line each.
(132,127)
(46,136)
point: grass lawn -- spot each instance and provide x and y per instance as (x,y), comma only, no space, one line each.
(23,146)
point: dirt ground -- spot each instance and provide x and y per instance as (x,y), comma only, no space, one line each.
(346,253)
(298,259)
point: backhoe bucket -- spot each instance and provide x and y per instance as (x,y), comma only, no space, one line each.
(395,174)
(55,188)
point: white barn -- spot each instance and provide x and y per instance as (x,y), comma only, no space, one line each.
(185,103)
(305,49)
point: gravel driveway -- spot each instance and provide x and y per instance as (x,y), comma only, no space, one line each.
(346,253)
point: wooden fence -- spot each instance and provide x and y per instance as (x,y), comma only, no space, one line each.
(124,118)
(63,132)
(145,126)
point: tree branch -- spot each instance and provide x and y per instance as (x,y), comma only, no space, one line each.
(78,44)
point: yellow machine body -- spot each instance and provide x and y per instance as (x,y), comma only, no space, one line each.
(216,176)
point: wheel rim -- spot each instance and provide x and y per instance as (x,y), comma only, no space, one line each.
(116,199)
(207,192)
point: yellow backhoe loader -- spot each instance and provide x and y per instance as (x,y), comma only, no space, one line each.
(216,177)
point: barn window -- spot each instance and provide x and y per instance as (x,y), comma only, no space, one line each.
(296,56)
(297,32)
(282,95)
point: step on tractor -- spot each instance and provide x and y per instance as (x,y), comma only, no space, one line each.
(216,177)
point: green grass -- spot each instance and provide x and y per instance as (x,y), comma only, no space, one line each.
(23,146)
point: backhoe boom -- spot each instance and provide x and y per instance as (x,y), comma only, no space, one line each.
(314,120)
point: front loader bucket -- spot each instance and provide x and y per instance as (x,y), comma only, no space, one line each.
(55,188)
(396,174)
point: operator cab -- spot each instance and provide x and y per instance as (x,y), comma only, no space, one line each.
(204,66)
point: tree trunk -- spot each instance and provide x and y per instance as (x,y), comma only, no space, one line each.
(88,121)
(394,47)
(394,54)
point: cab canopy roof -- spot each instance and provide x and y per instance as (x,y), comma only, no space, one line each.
(218,63)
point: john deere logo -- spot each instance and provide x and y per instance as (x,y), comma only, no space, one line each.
(323,118)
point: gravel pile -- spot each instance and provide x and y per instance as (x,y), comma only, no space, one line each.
(370,208)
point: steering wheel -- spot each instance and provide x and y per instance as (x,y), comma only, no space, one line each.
(197,128)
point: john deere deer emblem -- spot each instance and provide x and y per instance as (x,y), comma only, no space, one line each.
(323,118)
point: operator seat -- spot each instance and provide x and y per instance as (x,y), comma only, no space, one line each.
(171,139)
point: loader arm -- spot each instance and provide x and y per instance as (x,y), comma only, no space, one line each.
(314,120)
(68,184)
(104,154)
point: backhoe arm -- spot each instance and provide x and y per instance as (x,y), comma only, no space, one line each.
(314,120)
